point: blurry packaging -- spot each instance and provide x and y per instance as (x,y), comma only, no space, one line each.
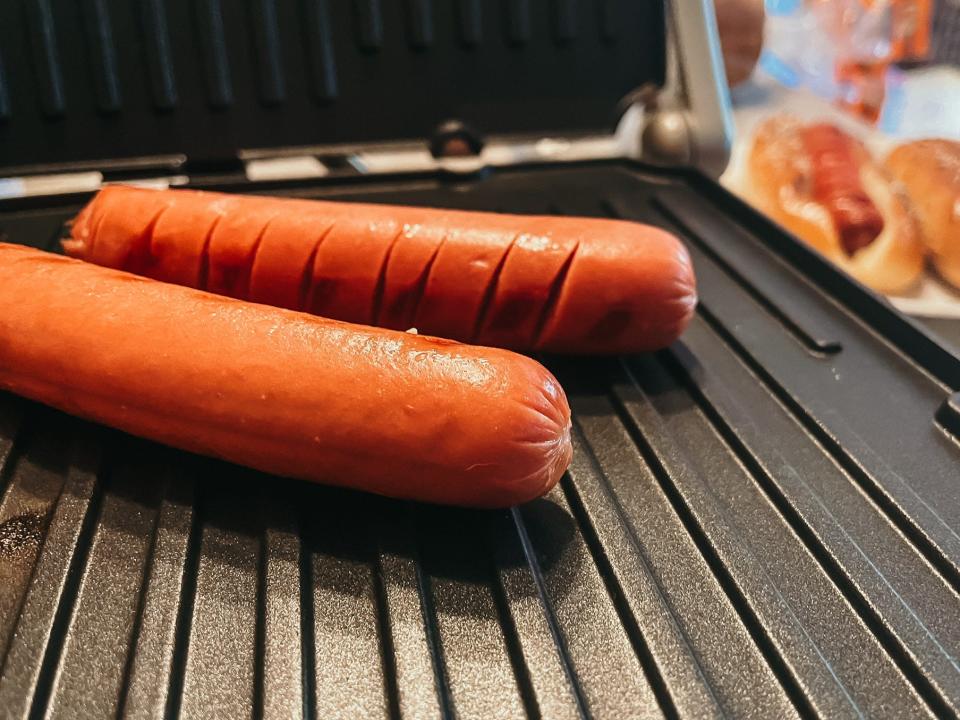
(910,31)
(843,49)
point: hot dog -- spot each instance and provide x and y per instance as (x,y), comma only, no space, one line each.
(572,285)
(836,184)
(821,183)
(288,393)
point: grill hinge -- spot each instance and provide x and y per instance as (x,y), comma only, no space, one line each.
(688,121)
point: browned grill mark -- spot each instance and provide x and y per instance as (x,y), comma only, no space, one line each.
(305,293)
(422,282)
(491,289)
(554,296)
(382,278)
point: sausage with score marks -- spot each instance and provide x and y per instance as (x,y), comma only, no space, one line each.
(555,284)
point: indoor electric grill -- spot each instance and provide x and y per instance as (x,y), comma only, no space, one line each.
(760,521)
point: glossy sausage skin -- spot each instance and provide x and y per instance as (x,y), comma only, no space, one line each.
(573,285)
(837,186)
(284,392)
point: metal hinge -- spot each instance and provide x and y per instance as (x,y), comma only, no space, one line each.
(688,121)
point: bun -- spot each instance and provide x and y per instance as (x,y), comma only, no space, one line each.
(929,172)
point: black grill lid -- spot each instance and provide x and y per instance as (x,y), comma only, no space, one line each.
(95,80)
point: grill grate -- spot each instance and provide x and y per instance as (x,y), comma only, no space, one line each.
(760,521)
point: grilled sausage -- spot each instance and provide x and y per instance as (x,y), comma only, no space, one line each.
(288,393)
(573,285)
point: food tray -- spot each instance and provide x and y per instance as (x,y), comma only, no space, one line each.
(932,300)
(761,521)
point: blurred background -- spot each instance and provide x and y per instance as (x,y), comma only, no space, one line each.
(885,71)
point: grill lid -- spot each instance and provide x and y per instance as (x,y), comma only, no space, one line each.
(90,82)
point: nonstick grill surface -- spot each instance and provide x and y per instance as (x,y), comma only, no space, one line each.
(761,521)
